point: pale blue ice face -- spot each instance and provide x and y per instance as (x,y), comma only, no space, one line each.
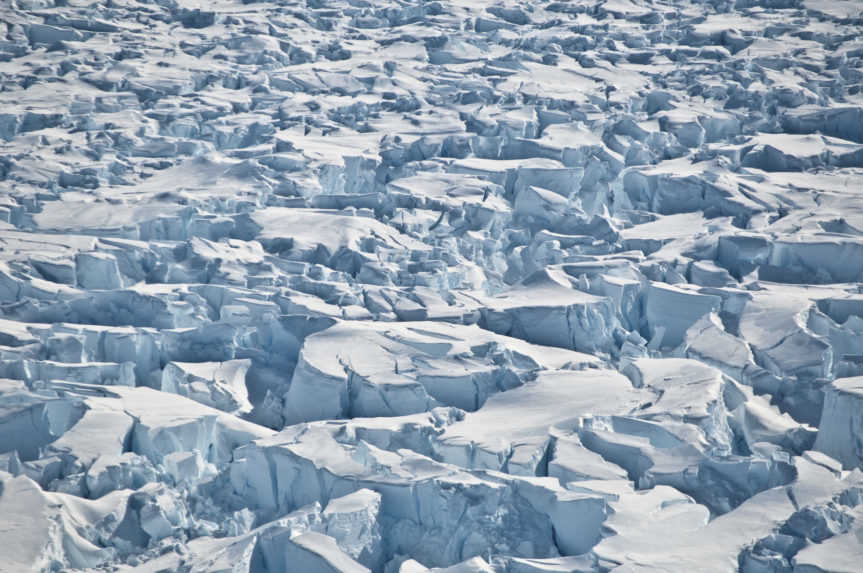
(396,286)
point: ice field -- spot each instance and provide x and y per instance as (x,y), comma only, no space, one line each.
(393,286)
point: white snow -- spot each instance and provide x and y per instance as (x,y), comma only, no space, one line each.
(467,286)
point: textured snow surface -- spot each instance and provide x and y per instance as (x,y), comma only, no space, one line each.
(476,286)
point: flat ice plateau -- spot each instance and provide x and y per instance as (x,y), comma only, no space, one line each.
(394,286)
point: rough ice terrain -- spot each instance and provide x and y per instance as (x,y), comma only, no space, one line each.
(394,286)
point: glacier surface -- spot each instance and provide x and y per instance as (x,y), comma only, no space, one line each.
(397,286)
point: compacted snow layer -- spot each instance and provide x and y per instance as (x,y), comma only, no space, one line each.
(399,286)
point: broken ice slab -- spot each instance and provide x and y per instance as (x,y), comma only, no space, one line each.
(19,408)
(547,308)
(757,422)
(107,373)
(570,461)
(111,472)
(708,342)
(671,310)
(680,454)
(678,232)
(685,391)
(684,125)
(681,186)
(775,323)
(615,278)
(44,529)
(447,191)
(313,551)
(815,258)
(103,430)
(221,385)
(510,432)
(163,423)
(841,419)
(97,271)
(419,497)
(785,152)
(352,520)
(842,122)
(419,303)
(838,553)
(166,424)
(328,540)
(540,207)
(716,545)
(330,238)
(409,484)
(108,308)
(742,252)
(86,429)
(153,221)
(726,412)
(359,368)
(516,174)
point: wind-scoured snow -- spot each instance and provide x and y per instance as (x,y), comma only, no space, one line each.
(470,286)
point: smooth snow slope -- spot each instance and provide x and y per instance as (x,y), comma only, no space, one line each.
(316,286)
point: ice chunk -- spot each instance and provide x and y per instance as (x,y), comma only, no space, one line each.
(571,461)
(44,34)
(419,496)
(841,122)
(166,426)
(161,511)
(541,205)
(829,258)
(103,430)
(776,328)
(684,125)
(162,424)
(107,373)
(546,308)
(715,546)
(511,431)
(323,237)
(686,391)
(29,421)
(839,433)
(674,454)
(352,520)
(110,472)
(221,385)
(44,530)
(367,369)
(839,553)
(757,421)
(675,309)
(317,552)
(784,152)
(708,342)
(97,271)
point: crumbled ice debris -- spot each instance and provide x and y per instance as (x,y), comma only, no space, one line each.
(477,287)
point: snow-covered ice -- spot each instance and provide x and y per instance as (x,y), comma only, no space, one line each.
(477,286)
